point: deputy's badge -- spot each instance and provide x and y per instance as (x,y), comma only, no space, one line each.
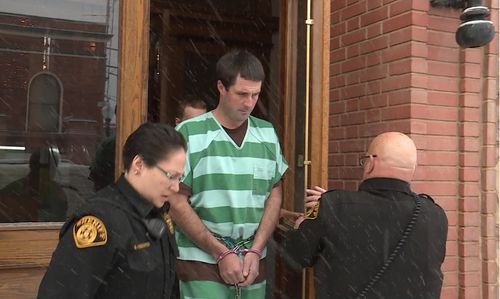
(312,213)
(89,231)
(169,222)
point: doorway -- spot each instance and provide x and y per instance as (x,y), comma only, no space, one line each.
(188,37)
(186,40)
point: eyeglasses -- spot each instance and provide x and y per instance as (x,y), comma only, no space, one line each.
(171,177)
(362,159)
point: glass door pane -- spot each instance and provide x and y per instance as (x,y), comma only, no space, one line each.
(57,105)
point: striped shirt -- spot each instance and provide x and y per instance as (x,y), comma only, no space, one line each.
(229,183)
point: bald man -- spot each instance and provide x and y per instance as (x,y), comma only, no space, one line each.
(355,239)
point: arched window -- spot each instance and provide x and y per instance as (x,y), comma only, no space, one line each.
(44,103)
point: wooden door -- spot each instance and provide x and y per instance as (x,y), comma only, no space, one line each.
(188,37)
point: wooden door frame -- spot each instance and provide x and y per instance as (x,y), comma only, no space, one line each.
(320,95)
(319,109)
(319,112)
(133,71)
(134,27)
(319,103)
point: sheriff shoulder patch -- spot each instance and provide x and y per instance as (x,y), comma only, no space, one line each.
(89,231)
(312,213)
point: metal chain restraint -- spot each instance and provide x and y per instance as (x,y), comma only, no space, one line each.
(237,247)
(396,251)
(230,243)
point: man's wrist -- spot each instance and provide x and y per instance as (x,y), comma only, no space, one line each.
(224,254)
(252,251)
(218,250)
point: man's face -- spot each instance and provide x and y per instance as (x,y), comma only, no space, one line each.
(239,100)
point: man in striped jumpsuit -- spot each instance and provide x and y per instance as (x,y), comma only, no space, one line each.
(232,180)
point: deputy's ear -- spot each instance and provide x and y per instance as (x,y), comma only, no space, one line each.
(137,164)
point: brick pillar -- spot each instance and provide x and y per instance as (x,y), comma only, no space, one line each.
(435,116)
(469,174)
(489,163)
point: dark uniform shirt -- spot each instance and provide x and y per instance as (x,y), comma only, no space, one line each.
(119,257)
(355,232)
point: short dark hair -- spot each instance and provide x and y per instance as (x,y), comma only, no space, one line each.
(153,142)
(189,101)
(238,62)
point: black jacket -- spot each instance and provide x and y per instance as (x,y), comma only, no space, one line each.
(131,264)
(355,232)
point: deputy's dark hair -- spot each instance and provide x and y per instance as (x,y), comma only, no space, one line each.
(239,62)
(189,101)
(153,142)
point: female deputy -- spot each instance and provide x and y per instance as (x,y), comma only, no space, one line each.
(119,245)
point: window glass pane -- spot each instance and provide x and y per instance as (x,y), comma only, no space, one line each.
(57,105)
(44,95)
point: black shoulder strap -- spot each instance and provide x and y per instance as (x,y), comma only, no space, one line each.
(397,249)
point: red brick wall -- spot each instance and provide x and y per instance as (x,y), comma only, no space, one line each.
(395,66)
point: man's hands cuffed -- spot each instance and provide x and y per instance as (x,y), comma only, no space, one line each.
(231,269)
(250,268)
